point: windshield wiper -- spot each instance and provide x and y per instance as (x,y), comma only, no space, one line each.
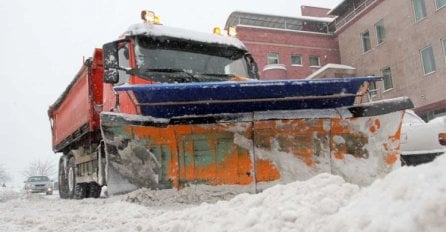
(189,76)
(216,76)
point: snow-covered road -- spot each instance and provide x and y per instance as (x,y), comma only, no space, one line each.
(408,199)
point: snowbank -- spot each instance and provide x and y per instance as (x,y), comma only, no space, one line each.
(408,199)
(291,207)
(7,194)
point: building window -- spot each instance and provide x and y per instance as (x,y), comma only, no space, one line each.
(373,90)
(296,60)
(440,3)
(380,32)
(428,60)
(372,86)
(387,78)
(314,61)
(273,58)
(366,41)
(443,41)
(419,9)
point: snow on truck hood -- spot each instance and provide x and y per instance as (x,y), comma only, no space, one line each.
(161,30)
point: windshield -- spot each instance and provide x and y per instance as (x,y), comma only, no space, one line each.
(38,178)
(175,60)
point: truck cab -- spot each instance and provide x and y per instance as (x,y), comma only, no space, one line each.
(151,53)
(154,53)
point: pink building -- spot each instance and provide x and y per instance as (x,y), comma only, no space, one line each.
(402,41)
(287,47)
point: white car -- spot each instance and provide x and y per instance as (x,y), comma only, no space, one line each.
(39,184)
(421,142)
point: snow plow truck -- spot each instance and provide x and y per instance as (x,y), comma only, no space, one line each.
(163,107)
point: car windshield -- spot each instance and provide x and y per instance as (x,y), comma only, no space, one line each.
(38,178)
(176,60)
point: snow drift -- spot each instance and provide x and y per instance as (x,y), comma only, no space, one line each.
(408,199)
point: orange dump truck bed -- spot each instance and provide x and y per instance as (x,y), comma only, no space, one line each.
(76,111)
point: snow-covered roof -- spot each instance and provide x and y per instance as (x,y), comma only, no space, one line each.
(161,30)
(274,66)
(340,8)
(330,66)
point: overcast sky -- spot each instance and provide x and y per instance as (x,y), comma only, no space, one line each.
(42,45)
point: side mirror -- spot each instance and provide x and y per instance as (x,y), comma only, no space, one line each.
(252,67)
(110,55)
(111,76)
(110,60)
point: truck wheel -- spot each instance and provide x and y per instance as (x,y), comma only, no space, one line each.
(71,176)
(80,191)
(63,180)
(94,190)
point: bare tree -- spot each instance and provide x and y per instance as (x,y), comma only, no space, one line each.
(4,177)
(41,168)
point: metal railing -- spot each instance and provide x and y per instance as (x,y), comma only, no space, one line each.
(295,24)
(350,16)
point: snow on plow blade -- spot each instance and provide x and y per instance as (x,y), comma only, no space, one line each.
(252,149)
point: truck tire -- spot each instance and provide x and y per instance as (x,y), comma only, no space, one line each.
(71,177)
(94,190)
(80,191)
(414,160)
(62,179)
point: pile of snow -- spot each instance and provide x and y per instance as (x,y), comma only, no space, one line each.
(192,195)
(294,206)
(7,194)
(408,199)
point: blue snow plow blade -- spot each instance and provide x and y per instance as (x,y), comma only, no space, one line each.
(206,98)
